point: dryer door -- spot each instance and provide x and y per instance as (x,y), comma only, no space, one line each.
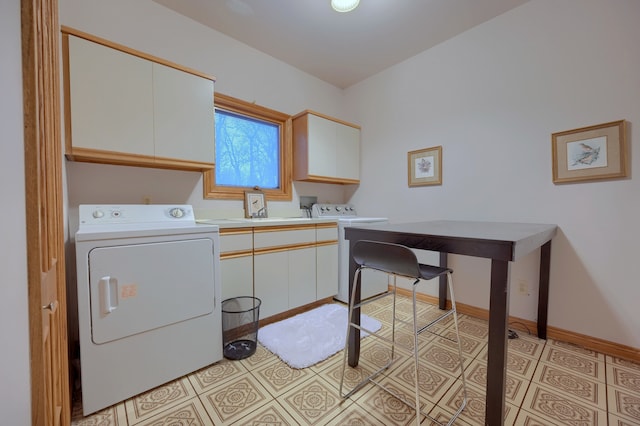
(139,287)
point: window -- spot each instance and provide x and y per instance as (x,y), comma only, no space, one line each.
(253,148)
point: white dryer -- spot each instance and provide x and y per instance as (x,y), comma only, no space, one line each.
(149,302)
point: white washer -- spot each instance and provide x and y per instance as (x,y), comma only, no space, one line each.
(347,216)
(148,298)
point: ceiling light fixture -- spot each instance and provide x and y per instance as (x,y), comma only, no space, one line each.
(344,5)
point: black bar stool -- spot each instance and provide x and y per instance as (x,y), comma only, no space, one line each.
(399,261)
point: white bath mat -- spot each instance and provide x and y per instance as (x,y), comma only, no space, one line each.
(310,337)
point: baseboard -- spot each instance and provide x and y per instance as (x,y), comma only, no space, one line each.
(588,342)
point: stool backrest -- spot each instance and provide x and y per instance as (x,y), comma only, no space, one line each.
(387,257)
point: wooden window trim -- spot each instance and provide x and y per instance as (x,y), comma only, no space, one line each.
(284,122)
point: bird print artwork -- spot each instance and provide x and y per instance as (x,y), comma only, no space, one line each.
(587,156)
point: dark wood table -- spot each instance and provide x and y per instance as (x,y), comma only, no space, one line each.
(500,242)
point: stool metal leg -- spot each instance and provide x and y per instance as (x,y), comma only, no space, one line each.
(351,326)
(417,330)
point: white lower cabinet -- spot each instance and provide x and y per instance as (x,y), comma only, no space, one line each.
(271,280)
(284,266)
(327,261)
(302,276)
(236,262)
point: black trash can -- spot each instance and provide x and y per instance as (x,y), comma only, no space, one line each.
(240,317)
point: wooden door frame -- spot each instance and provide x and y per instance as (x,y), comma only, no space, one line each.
(42,142)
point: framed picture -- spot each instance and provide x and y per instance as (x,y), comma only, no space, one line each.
(425,166)
(254,204)
(590,153)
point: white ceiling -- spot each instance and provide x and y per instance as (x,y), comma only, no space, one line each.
(341,48)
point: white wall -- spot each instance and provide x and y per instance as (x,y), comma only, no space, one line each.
(15,396)
(240,71)
(492,97)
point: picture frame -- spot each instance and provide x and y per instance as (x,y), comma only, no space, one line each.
(254,204)
(590,153)
(424,166)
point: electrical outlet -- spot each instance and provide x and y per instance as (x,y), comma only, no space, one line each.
(523,287)
(146,199)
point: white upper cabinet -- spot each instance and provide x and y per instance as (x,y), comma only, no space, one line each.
(111,99)
(325,149)
(183,115)
(127,107)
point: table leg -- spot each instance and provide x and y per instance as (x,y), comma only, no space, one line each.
(443,283)
(543,289)
(354,336)
(497,356)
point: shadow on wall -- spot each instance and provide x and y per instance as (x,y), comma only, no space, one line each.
(89,183)
(570,308)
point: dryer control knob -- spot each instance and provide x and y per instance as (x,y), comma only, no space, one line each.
(176,212)
(97,214)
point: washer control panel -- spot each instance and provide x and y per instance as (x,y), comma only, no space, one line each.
(333,210)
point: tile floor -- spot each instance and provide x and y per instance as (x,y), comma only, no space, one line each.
(548,383)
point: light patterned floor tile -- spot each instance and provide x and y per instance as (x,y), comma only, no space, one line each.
(619,421)
(623,378)
(314,402)
(578,350)
(115,415)
(474,412)
(577,386)
(213,375)
(471,347)
(261,356)
(588,366)
(352,376)
(328,363)
(473,327)
(433,383)
(190,412)
(387,408)
(525,345)
(163,397)
(526,418)
(354,415)
(624,404)
(516,364)
(235,399)
(271,414)
(623,363)
(515,386)
(444,358)
(278,377)
(556,406)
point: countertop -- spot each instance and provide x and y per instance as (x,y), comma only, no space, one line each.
(269,221)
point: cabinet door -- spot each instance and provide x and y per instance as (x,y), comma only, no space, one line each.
(327,271)
(302,277)
(236,274)
(322,146)
(183,111)
(271,282)
(347,152)
(111,99)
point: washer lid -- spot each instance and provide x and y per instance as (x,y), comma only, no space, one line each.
(358,219)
